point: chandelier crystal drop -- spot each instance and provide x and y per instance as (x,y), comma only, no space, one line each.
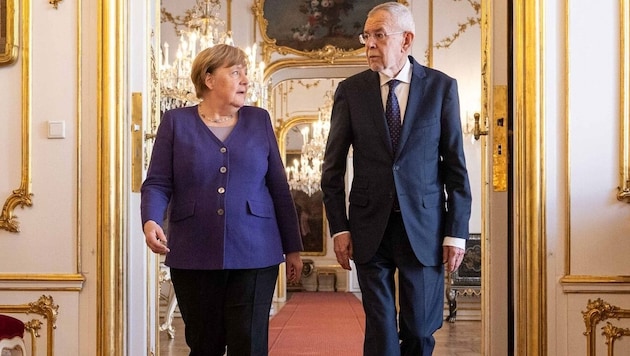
(305,173)
(203,28)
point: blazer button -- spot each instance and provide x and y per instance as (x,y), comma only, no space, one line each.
(221,190)
(223,169)
(220,212)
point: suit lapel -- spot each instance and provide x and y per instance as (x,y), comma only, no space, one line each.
(375,106)
(416,93)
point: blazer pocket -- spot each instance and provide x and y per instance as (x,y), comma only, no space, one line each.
(429,121)
(359,192)
(432,200)
(358,199)
(183,211)
(260,209)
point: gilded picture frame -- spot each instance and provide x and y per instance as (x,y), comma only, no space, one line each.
(8,31)
(314,29)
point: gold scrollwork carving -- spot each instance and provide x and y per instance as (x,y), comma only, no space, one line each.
(54,3)
(596,312)
(33,326)
(19,197)
(612,333)
(45,307)
(461,28)
(22,196)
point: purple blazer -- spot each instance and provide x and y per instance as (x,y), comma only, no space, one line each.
(229,204)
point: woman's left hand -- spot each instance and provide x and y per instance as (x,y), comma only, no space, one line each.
(294,267)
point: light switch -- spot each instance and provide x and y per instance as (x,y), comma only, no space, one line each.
(56,129)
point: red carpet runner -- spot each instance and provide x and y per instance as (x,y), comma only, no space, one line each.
(318,323)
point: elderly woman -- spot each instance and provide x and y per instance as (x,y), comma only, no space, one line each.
(231,219)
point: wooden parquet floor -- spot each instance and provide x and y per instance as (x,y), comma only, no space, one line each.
(462,338)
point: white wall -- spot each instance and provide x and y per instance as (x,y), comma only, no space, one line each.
(587,227)
(43,85)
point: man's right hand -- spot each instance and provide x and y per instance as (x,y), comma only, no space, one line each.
(343,250)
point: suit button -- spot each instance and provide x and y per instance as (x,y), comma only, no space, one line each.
(223,169)
(220,212)
(221,190)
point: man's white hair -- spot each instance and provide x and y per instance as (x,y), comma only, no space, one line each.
(398,11)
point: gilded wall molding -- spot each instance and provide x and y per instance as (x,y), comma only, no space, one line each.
(41,282)
(598,311)
(45,307)
(570,281)
(624,100)
(586,279)
(487,55)
(567,144)
(283,64)
(612,334)
(22,196)
(111,200)
(529,187)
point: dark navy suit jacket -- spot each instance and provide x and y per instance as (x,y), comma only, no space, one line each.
(428,172)
(229,204)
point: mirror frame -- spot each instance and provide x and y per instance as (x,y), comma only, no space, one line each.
(283,132)
(8,33)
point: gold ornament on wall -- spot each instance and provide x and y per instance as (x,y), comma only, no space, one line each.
(596,312)
(54,3)
(45,307)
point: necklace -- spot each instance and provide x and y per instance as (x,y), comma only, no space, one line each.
(216,121)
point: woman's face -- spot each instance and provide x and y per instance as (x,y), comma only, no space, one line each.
(228,85)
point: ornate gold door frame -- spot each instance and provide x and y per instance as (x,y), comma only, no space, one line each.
(530,268)
(111,199)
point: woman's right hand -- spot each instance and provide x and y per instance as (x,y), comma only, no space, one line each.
(155,238)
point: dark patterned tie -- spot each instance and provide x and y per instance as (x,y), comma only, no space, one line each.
(392,114)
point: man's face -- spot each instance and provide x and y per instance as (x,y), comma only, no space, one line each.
(385,45)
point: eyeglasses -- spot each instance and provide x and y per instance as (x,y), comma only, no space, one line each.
(377,36)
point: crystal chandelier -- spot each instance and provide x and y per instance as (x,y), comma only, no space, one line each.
(203,28)
(305,174)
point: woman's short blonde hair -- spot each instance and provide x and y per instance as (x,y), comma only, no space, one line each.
(208,60)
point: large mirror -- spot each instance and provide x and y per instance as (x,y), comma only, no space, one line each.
(293,137)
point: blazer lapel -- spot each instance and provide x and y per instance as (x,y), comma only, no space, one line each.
(375,106)
(416,93)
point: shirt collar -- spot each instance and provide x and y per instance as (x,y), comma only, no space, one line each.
(404,75)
